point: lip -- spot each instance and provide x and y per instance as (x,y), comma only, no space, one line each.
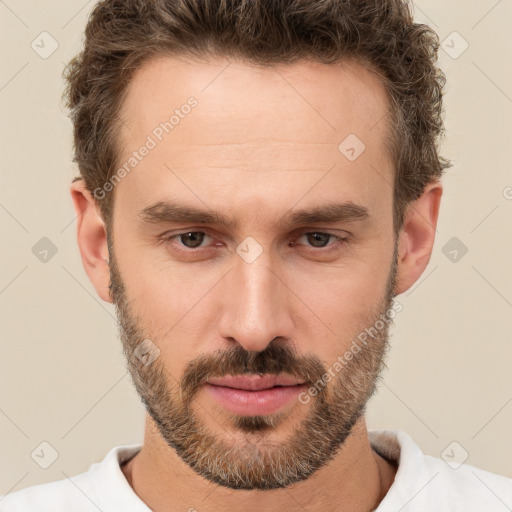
(254,382)
(256,394)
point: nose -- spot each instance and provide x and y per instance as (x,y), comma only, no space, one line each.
(255,304)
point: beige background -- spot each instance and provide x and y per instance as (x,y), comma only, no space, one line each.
(62,376)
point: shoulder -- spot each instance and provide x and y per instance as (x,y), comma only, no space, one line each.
(472,488)
(53,496)
(425,483)
(84,492)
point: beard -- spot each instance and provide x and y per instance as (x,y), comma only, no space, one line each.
(253,461)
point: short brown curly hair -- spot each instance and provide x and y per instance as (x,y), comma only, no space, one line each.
(122,34)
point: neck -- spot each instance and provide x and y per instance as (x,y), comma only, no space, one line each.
(357,478)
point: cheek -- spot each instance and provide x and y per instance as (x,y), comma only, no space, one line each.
(338,303)
(175,307)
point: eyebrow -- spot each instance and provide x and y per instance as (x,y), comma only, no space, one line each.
(172,212)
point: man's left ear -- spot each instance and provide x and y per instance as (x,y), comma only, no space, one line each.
(417,236)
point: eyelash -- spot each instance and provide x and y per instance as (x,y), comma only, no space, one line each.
(342,240)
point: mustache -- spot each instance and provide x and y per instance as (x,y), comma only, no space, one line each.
(277,358)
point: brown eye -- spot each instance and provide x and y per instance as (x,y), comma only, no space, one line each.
(192,239)
(319,240)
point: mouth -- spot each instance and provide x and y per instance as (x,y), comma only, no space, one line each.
(255,394)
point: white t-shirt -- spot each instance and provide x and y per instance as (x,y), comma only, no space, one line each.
(422,484)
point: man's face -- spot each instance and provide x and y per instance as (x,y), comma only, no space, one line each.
(269,293)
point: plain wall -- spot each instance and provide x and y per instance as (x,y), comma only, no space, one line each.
(62,375)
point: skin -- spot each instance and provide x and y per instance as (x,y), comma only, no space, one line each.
(261,142)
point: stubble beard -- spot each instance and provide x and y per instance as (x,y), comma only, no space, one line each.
(253,460)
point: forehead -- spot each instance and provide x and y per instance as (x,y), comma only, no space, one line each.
(265,124)
(308,98)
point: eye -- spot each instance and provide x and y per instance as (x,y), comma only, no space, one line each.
(189,239)
(320,240)
(315,240)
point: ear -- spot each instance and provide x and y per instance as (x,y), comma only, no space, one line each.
(92,238)
(417,236)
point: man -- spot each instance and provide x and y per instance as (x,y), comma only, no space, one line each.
(259,181)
